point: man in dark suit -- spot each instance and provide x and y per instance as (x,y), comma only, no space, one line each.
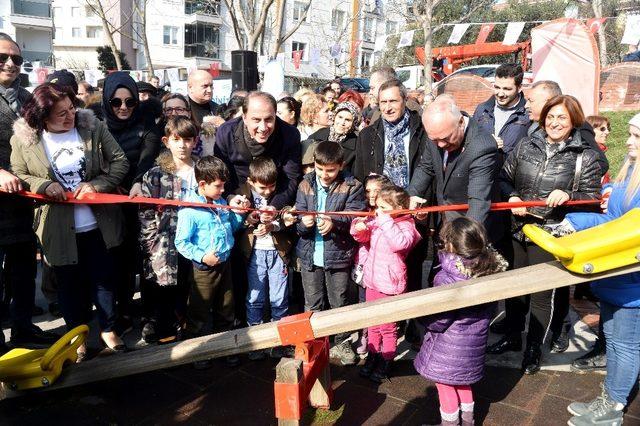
(17,240)
(461,158)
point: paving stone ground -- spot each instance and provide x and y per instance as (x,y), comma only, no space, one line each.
(244,395)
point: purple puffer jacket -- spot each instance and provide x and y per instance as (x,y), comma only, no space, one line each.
(455,342)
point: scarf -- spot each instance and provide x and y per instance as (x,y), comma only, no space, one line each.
(11,95)
(256,149)
(396,163)
(355,113)
(112,83)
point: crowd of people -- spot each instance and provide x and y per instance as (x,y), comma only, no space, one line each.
(260,255)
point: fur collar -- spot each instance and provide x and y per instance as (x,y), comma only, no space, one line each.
(28,136)
(166,163)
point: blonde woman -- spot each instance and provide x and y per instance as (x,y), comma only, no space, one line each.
(314,115)
(619,301)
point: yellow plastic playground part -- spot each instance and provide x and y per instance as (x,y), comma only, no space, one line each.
(604,247)
(22,369)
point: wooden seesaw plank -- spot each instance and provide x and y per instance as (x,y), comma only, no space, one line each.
(492,288)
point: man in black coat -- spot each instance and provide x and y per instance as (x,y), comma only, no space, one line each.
(463,161)
(17,240)
(371,143)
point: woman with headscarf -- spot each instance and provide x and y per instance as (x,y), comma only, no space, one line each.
(140,141)
(342,131)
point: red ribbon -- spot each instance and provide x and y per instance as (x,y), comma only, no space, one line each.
(101,198)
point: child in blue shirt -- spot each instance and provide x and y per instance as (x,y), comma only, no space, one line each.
(205,236)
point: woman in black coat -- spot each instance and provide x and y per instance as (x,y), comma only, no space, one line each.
(556,165)
(138,137)
(343,131)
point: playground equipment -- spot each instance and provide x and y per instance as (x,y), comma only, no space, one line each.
(22,369)
(608,246)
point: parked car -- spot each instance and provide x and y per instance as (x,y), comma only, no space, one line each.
(360,85)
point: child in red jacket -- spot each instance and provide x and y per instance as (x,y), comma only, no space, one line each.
(390,237)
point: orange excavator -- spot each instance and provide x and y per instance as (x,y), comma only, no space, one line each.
(454,56)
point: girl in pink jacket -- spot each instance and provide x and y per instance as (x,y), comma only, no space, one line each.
(389,238)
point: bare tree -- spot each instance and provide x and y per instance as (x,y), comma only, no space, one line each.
(248,18)
(279,39)
(140,11)
(103,10)
(596,6)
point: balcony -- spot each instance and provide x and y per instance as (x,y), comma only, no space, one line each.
(197,11)
(31,13)
(34,56)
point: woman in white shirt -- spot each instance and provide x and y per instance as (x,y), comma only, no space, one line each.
(63,152)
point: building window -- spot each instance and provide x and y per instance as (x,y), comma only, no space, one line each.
(365,61)
(211,8)
(75,12)
(201,40)
(88,10)
(298,10)
(338,19)
(296,46)
(367,29)
(392,27)
(75,32)
(94,32)
(170,35)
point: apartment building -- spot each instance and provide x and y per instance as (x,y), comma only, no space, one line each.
(79,31)
(29,23)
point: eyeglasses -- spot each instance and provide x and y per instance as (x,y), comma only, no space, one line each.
(117,102)
(605,129)
(16,59)
(175,110)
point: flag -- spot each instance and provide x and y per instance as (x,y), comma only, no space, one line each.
(335,50)
(354,47)
(632,30)
(457,33)
(314,57)
(297,58)
(406,39)
(594,24)
(214,69)
(514,29)
(381,41)
(485,30)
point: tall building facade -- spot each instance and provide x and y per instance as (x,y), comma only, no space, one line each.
(30,24)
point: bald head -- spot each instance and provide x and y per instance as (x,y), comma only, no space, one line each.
(444,123)
(199,86)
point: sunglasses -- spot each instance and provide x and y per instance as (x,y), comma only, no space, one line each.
(117,102)
(16,59)
(604,129)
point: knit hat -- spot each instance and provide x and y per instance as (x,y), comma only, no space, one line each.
(635,121)
(64,78)
(308,149)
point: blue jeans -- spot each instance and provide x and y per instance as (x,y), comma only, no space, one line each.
(266,271)
(622,332)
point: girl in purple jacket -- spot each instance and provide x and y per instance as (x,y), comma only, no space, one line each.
(389,238)
(453,350)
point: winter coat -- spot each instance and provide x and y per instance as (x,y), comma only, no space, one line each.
(369,157)
(513,130)
(346,193)
(16,212)
(283,239)
(284,149)
(454,346)
(202,230)
(106,166)
(623,290)
(158,223)
(529,174)
(390,240)
(348,146)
